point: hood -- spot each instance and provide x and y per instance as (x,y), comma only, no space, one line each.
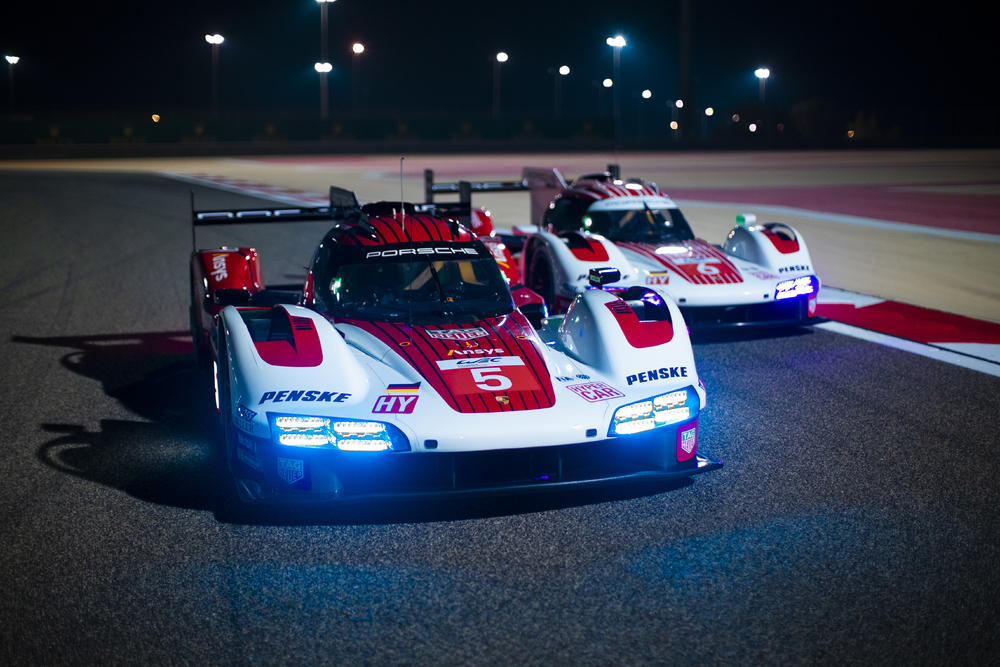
(493,365)
(696,261)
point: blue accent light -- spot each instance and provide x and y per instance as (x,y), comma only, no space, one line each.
(350,435)
(663,410)
(788,289)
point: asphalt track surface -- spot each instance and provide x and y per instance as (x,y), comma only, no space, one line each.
(855,520)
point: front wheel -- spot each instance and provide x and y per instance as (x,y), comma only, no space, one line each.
(540,279)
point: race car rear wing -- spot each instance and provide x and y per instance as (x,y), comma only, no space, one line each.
(543,184)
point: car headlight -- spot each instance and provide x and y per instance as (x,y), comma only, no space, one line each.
(788,289)
(349,435)
(663,410)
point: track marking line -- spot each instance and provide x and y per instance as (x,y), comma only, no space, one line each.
(275,193)
(929,351)
(846,220)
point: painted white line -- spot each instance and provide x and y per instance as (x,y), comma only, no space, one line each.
(846,220)
(982,350)
(923,350)
(260,190)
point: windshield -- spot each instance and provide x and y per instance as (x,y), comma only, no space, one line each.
(433,291)
(647,225)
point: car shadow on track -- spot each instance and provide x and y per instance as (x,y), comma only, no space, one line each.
(172,455)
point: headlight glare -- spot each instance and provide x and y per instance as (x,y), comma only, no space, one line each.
(662,410)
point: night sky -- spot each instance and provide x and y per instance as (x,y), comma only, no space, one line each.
(148,57)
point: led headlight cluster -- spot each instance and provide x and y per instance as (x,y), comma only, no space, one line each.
(345,434)
(788,289)
(662,410)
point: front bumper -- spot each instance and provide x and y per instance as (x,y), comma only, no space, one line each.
(335,477)
(787,313)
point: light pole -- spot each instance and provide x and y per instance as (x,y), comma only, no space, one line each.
(617,42)
(215,40)
(704,122)
(675,106)
(324,103)
(562,71)
(11,61)
(501,58)
(323,69)
(358,49)
(762,74)
(645,95)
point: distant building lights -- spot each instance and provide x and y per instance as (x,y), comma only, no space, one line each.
(673,125)
(679,104)
(736,118)
(608,83)
(564,70)
(850,134)
(501,57)
(709,111)
(753,127)
(646,94)
(156,118)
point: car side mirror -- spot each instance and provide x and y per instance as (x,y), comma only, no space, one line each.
(604,276)
(231,297)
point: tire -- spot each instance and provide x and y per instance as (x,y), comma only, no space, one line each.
(540,279)
(202,353)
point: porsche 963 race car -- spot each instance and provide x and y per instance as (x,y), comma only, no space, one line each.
(406,365)
(761,274)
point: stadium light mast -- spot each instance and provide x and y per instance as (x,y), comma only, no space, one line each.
(558,74)
(762,74)
(501,58)
(617,42)
(11,61)
(215,40)
(357,50)
(324,56)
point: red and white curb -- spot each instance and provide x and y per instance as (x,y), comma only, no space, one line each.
(953,339)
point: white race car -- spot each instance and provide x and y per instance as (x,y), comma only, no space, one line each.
(403,367)
(760,275)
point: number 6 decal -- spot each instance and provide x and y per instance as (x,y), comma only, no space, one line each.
(705,267)
(491,379)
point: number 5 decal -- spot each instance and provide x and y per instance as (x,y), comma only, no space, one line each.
(491,379)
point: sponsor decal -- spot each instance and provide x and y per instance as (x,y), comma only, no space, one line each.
(795,267)
(402,252)
(251,461)
(488,351)
(571,378)
(503,399)
(291,470)
(303,395)
(403,388)
(246,442)
(595,391)
(471,376)
(243,418)
(687,443)
(395,404)
(762,275)
(658,374)
(658,278)
(457,334)
(219,267)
